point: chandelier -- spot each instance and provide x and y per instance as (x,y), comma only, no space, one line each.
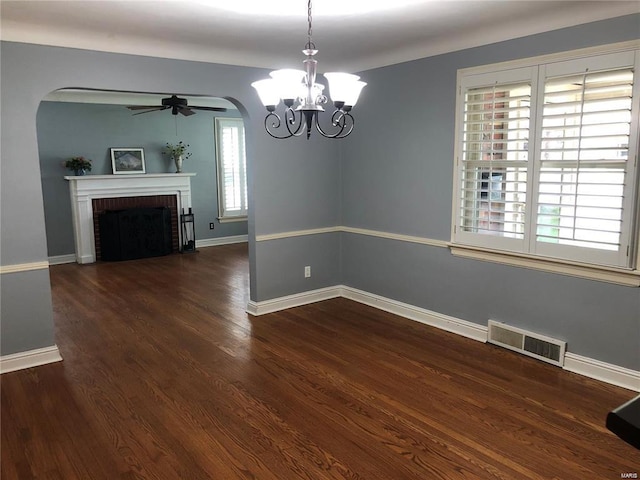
(300,86)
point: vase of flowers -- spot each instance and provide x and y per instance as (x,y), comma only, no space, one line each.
(178,153)
(79,165)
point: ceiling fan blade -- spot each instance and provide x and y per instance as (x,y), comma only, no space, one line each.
(156,109)
(186,111)
(141,107)
(211,109)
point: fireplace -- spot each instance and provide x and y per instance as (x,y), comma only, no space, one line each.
(134,233)
(93,194)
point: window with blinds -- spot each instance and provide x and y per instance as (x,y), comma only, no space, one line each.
(231,168)
(584,150)
(546,160)
(495,160)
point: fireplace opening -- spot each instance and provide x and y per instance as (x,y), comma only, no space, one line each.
(102,205)
(135,233)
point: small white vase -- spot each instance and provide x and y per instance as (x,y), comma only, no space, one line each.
(178,162)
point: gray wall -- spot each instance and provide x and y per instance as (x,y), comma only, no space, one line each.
(320,252)
(398,178)
(25,312)
(71,129)
(292,184)
(393,174)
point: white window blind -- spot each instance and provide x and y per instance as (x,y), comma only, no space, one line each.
(546,160)
(231,168)
(495,159)
(586,124)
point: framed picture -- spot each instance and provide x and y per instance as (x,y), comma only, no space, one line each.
(127,160)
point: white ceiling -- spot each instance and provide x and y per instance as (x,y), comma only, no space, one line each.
(347,37)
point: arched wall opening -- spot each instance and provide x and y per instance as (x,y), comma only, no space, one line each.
(29,74)
(88,123)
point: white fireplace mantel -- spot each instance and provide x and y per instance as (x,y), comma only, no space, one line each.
(84,189)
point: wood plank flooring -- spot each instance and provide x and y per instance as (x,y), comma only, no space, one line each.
(166,377)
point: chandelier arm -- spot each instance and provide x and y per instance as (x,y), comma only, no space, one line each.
(276,123)
(275,118)
(342,120)
(346,120)
(273,122)
(339,118)
(291,120)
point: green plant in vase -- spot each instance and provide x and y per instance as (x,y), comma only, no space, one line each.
(79,165)
(178,153)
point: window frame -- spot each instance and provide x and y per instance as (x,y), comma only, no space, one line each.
(490,250)
(224,215)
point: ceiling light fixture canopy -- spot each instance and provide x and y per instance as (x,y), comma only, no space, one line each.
(300,86)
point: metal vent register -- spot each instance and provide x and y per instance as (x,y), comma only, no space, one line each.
(531,344)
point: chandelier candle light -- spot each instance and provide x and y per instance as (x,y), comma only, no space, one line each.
(291,85)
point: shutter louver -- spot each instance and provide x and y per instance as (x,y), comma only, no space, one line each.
(495,160)
(586,122)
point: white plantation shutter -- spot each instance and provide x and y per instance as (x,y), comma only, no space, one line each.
(494,162)
(231,167)
(584,185)
(546,160)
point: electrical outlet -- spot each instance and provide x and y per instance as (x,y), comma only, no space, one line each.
(307,271)
(211,226)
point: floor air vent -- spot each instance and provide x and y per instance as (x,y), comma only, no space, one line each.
(537,346)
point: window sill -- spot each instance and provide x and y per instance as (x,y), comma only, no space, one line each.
(629,278)
(232,219)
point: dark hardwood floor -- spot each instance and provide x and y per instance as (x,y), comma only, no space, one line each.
(165,377)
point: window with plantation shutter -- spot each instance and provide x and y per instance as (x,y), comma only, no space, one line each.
(546,160)
(495,162)
(231,169)
(584,156)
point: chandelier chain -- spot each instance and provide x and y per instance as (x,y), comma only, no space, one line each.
(310,30)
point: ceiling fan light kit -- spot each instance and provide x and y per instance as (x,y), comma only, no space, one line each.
(300,86)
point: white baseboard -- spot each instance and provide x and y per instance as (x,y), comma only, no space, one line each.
(589,367)
(428,317)
(207,242)
(214,242)
(28,359)
(295,300)
(606,372)
(60,259)
(418,314)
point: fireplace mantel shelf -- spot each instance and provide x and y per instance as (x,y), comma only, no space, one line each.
(83,189)
(128,176)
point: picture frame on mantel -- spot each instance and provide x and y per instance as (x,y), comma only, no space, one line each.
(126,161)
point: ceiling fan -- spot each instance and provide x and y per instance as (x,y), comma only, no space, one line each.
(176,104)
